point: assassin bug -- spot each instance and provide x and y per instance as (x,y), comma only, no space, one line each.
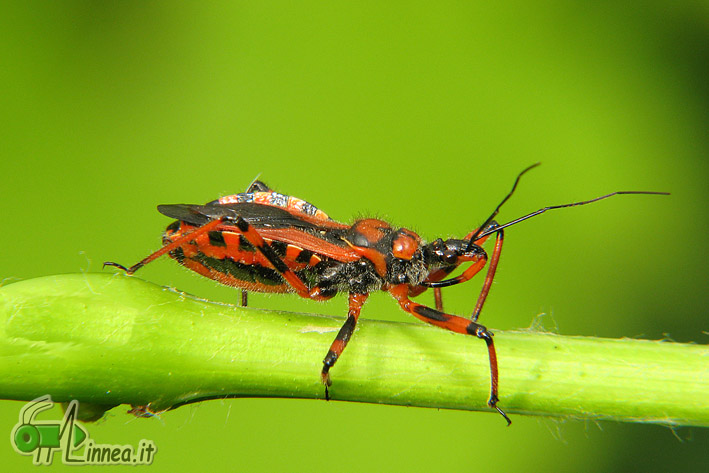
(264,241)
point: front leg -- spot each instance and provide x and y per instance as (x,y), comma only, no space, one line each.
(454,324)
(356,302)
(435,279)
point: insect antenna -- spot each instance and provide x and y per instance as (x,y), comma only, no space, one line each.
(497,228)
(481,231)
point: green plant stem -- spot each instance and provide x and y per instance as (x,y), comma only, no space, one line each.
(108,339)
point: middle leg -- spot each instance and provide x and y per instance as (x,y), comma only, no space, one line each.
(356,302)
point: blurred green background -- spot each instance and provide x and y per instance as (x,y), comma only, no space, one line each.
(418,112)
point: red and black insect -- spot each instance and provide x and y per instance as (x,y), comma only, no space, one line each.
(264,241)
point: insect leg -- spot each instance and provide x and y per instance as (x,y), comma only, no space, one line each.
(467,275)
(343,336)
(355,301)
(436,279)
(255,186)
(454,324)
(254,237)
(472,271)
(440,274)
(207,227)
(494,259)
(438,298)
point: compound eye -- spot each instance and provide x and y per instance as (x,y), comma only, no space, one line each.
(404,247)
(450,257)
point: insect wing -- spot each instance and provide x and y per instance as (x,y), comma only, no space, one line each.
(271,222)
(255,214)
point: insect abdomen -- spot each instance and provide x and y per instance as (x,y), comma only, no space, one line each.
(227,257)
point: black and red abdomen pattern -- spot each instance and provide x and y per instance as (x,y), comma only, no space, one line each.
(227,257)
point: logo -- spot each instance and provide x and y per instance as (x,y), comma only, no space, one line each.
(43,438)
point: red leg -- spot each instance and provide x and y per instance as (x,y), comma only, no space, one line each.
(442,273)
(356,301)
(187,237)
(472,271)
(467,275)
(454,324)
(494,259)
(252,236)
(438,298)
